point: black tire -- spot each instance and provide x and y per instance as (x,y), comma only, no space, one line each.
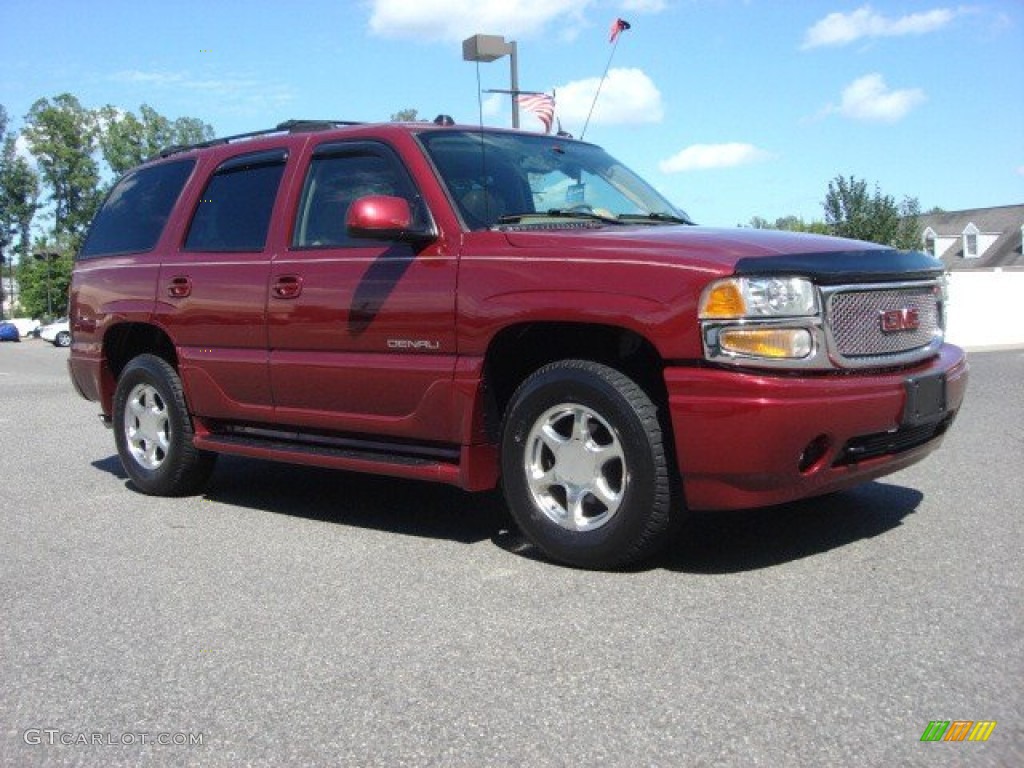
(63,339)
(154,432)
(605,499)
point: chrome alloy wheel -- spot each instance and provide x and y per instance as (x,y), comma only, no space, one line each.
(147,426)
(575,467)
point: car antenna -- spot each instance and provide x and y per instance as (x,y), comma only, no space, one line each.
(618,26)
(483,144)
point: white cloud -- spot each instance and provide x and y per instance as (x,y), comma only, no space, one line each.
(627,97)
(494,104)
(869,98)
(644,6)
(147,78)
(699,157)
(844,28)
(231,89)
(451,20)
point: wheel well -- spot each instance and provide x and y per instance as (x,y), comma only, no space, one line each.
(518,351)
(128,340)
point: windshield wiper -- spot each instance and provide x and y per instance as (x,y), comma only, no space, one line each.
(558,213)
(661,218)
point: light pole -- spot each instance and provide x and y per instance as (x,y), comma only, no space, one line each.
(48,257)
(487,48)
(3,293)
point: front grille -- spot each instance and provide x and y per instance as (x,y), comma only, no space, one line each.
(855,320)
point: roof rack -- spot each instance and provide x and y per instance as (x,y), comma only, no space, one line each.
(288,126)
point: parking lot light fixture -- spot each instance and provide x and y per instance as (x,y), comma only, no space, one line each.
(488,48)
(48,257)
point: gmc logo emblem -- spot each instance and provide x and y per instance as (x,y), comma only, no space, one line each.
(895,320)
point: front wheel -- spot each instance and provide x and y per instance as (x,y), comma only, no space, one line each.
(63,339)
(153,430)
(584,468)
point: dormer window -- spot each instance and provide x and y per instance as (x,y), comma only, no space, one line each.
(971,241)
(928,238)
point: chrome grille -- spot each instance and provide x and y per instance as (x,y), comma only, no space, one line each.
(855,320)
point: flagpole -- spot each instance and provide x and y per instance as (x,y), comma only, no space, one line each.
(615,46)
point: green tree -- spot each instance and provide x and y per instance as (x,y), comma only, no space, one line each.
(121,139)
(789,224)
(43,279)
(191,130)
(126,140)
(19,195)
(62,135)
(4,230)
(908,235)
(851,211)
(405,116)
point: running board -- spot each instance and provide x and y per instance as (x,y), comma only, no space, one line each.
(413,462)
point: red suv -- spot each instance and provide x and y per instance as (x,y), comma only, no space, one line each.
(475,306)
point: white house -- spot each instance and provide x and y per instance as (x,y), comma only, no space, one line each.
(980,238)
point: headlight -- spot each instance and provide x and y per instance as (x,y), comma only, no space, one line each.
(755,297)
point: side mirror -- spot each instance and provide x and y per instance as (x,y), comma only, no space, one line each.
(381,217)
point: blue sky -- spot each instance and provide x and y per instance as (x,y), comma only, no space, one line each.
(731,108)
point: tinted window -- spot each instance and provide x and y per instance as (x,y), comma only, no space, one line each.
(234,210)
(134,214)
(339,175)
(490,175)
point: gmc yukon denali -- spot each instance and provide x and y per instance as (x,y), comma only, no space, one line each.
(479,307)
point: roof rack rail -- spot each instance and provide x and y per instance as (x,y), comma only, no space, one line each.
(301,126)
(288,126)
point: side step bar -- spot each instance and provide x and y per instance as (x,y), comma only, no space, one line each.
(413,462)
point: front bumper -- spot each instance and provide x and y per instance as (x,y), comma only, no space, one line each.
(746,439)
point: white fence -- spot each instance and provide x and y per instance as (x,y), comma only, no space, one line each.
(986,308)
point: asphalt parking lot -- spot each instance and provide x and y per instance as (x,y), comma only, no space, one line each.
(294,616)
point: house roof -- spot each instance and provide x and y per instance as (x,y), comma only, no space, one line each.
(1004,221)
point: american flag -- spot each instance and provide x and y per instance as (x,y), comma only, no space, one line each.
(619,25)
(542,105)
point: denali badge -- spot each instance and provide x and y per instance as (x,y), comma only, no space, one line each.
(894,320)
(413,344)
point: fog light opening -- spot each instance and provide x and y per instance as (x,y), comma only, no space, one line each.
(812,455)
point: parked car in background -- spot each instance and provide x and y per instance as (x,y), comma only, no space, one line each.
(9,332)
(57,333)
(26,326)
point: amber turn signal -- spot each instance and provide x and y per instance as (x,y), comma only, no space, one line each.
(778,343)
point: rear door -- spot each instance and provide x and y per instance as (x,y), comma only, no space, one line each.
(361,332)
(212,296)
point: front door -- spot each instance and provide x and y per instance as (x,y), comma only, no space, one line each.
(361,332)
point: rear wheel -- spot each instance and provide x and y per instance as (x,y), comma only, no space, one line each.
(63,339)
(584,468)
(154,432)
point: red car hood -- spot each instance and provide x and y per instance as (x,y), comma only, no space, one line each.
(703,246)
(827,260)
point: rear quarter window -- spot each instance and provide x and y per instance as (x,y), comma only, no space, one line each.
(135,212)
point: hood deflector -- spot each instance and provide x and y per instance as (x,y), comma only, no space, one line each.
(833,268)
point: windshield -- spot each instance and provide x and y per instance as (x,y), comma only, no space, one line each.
(498,178)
